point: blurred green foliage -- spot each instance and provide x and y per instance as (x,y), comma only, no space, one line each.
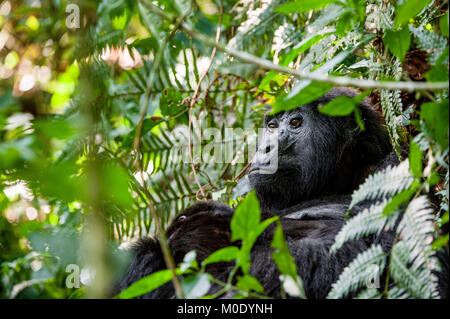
(71,101)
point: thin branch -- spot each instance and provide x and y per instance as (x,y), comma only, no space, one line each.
(194,100)
(325,78)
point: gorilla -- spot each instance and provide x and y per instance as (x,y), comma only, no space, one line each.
(317,154)
(321,160)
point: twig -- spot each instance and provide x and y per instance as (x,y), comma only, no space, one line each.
(194,100)
(325,78)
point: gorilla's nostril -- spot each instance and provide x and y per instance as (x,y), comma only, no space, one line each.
(267,149)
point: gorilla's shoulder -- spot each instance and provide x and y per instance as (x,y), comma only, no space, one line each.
(331,207)
(210,207)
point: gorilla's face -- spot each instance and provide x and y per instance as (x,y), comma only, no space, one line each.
(305,151)
(316,154)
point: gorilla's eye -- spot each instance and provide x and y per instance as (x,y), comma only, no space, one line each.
(272,125)
(181,218)
(296,122)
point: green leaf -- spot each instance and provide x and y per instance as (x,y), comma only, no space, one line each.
(245,218)
(435,117)
(340,106)
(303,6)
(223,254)
(306,95)
(170,102)
(302,47)
(248,282)
(443,23)
(415,160)
(119,22)
(281,255)
(147,284)
(439,242)
(401,198)
(408,10)
(398,42)
(439,72)
(195,286)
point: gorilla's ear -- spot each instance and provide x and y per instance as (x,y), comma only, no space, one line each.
(373,142)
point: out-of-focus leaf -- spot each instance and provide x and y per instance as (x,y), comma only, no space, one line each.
(415,160)
(408,9)
(281,255)
(398,42)
(443,23)
(147,284)
(245,218)
(340,106)
(303,5)
(195,286)
(248,282)
(308,94)
(435,117)
(224,254)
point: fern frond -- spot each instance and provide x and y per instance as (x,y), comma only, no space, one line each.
(417,227)
(369,293)
(369,221)
(356,274)
(398,293)
(384,184)
(431,42)
(418,282)
(413,262)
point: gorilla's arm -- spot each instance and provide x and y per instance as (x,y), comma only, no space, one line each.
(147,259)
(203,227)
(309,240)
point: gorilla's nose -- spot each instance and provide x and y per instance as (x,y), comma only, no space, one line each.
(284,141)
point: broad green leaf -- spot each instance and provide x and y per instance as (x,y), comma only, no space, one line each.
(340,106)
(245,218)
(398,42)
(409,9)
(308,94)
(303,5)
(281,255)
(415,160)
(435,117)
(248,241)
(195,286)
(248,282)
(224,254)
(147,284)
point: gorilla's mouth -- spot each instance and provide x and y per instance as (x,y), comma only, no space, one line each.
(268,170)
